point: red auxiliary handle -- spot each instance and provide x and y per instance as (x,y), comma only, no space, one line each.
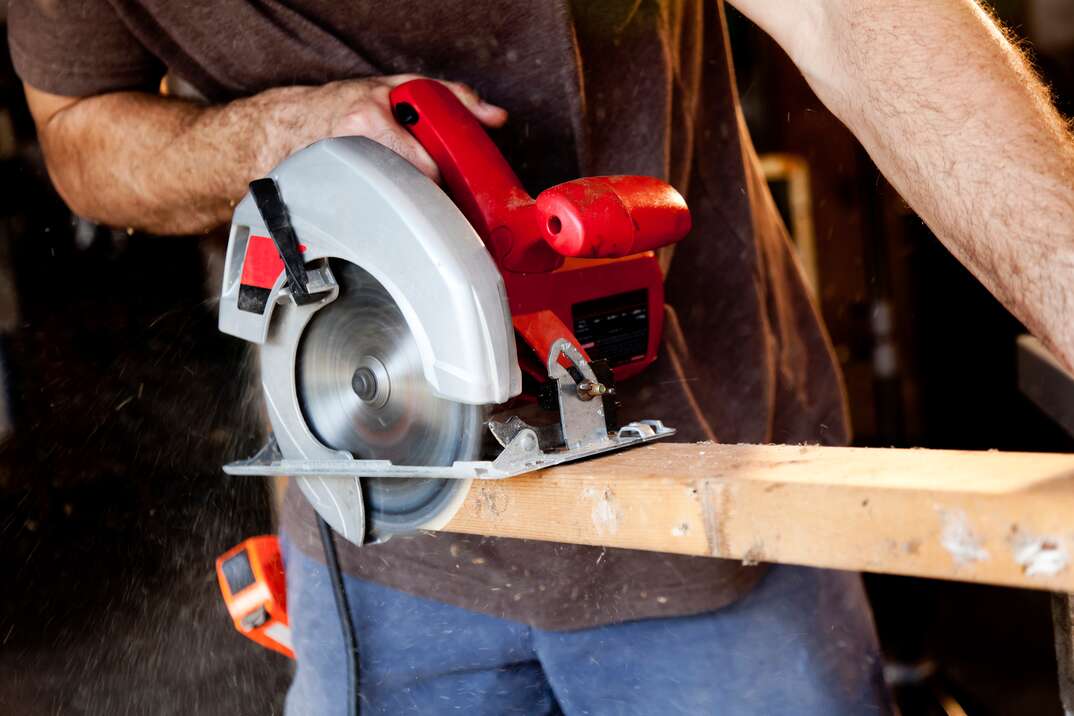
(599,217)
(609,217)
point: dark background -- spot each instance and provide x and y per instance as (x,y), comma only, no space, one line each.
(119,401)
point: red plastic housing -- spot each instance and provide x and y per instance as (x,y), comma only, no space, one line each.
(262,264)
(476,175)
(579,282)
(616,220)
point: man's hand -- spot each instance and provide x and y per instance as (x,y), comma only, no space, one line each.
(952,114)
(174,167)
(358,108)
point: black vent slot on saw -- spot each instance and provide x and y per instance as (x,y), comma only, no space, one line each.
(614,328)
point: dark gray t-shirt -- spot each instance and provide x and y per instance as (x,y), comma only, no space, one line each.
(593,87)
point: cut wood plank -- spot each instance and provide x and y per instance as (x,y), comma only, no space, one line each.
(992,517)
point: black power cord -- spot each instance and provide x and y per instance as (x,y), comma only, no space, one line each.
(273,211)
(350,637)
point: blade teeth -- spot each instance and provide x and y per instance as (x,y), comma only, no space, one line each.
(429,431)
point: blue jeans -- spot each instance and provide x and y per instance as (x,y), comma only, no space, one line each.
(801,643)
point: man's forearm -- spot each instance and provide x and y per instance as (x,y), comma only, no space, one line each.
(162,165)
(174,167)
(958,122)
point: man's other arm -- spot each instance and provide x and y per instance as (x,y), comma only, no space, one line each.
(169,166)
(958,122)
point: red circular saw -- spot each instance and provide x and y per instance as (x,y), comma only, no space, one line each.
(396,320)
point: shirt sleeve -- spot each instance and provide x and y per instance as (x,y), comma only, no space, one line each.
(77,48)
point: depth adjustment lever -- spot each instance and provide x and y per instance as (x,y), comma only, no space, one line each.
(273,210)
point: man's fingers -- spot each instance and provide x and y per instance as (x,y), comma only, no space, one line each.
(376,122)
(402,143)
(396,80)
(487,113)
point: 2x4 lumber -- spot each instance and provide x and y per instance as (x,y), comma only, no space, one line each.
(988,517)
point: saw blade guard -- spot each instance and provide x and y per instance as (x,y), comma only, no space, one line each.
(352,202)
(350,198)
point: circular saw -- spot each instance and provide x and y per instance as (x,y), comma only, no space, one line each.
(402,329)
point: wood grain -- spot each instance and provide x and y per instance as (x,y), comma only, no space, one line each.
(992,517)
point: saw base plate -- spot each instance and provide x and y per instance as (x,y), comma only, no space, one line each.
(521,455)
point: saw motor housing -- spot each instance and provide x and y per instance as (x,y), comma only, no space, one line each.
(582,250)
(572,274)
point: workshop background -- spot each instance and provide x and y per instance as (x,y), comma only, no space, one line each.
(119,401)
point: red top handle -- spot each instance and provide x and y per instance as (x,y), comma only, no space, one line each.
(597,217)
(476,175)
(479,178)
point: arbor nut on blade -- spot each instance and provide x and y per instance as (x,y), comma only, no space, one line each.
(589,389)
(364,384)
(370,382)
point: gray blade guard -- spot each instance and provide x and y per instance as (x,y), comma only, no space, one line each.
(352,199)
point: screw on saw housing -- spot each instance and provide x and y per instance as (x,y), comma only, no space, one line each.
(587,389)
(273,212)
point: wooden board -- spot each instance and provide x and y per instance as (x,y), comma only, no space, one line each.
(999,518)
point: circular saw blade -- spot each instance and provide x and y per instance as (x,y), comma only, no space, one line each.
(362,389)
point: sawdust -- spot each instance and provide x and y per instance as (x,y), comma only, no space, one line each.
(491,501)
(1038,556)
(754,555)
(606,514)
(714,508)
(959,539)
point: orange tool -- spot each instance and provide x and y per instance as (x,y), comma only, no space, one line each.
(252,582)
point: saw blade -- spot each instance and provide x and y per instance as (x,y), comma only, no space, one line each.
(362,389)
